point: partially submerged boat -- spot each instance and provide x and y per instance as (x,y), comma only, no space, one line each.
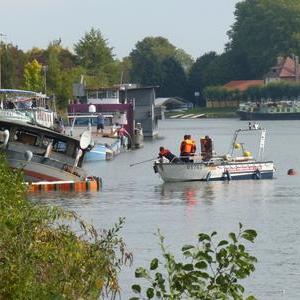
(43,154)
(225,167)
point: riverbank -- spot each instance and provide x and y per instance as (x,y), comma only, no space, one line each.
(226,112)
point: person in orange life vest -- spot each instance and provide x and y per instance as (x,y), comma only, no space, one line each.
(194,148)
(186,148)
(167,154)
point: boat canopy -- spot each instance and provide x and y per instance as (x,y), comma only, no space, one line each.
(22,92)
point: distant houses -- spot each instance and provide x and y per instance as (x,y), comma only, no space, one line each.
(287,69)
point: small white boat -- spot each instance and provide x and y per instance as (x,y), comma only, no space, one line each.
(226,167)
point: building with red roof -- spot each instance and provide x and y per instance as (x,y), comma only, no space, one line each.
(242,85)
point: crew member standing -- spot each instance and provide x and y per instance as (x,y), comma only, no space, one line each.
(100,124)
(194,148)
(186,148)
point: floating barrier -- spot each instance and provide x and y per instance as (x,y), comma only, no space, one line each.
(92,184)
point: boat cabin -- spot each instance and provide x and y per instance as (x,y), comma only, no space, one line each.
(42,142)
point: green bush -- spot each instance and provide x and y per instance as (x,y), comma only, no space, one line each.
(211,270)
(42,258)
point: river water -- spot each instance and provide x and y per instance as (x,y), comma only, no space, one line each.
(181,210)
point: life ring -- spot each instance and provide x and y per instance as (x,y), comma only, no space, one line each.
(257,174)
(226,175)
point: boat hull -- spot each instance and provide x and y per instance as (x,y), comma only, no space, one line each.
(41,169)
(171,172)
(256,116)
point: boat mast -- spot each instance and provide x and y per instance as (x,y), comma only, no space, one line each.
(262,144)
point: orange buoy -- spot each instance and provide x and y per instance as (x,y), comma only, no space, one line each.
(291,172)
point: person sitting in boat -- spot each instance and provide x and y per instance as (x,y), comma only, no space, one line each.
(168,155)
(187,148)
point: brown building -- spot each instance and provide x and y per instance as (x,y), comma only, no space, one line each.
(286,69)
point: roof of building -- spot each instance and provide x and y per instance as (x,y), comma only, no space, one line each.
(242,85)
(285,68)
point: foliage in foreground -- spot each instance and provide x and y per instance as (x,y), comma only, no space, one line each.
(42,258)
(211,270)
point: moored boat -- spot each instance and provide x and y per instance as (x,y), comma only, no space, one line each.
(281,110)
(224,167)
(43,154)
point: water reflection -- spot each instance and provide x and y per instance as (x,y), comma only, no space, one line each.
(192,193)
(69,200)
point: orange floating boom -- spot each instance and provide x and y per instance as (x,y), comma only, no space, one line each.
(93,184)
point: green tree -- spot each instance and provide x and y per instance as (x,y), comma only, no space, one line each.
(155,61)
(210,270)
(12,66)
(54,80)
(263,30)
(93,51)
(173,82)
(33,76)
(196,79)
(184,59)
(147,58)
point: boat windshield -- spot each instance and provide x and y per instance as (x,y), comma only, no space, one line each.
(85,121)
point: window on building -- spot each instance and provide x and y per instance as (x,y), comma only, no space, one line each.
(92,95)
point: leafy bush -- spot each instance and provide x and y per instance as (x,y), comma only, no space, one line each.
(42,258)
(211,271)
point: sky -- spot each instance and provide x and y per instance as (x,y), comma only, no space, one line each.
(196,26)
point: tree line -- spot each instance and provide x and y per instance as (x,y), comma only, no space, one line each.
(262,30)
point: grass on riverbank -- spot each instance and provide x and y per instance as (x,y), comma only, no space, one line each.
(226,112)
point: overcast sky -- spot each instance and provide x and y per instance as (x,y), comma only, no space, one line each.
(196,26)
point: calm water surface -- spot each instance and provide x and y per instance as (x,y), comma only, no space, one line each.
(181,210)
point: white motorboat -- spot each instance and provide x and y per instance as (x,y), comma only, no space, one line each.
(225,167)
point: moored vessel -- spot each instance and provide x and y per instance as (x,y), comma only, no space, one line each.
(221,167)
(43,154)
(281,110)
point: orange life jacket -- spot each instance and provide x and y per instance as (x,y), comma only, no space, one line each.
(194,146)
(187,146)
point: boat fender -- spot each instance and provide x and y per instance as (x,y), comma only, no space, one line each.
(28,155)
(257,174)
(207,178)
(155,168)
(226,175)
(6,138)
